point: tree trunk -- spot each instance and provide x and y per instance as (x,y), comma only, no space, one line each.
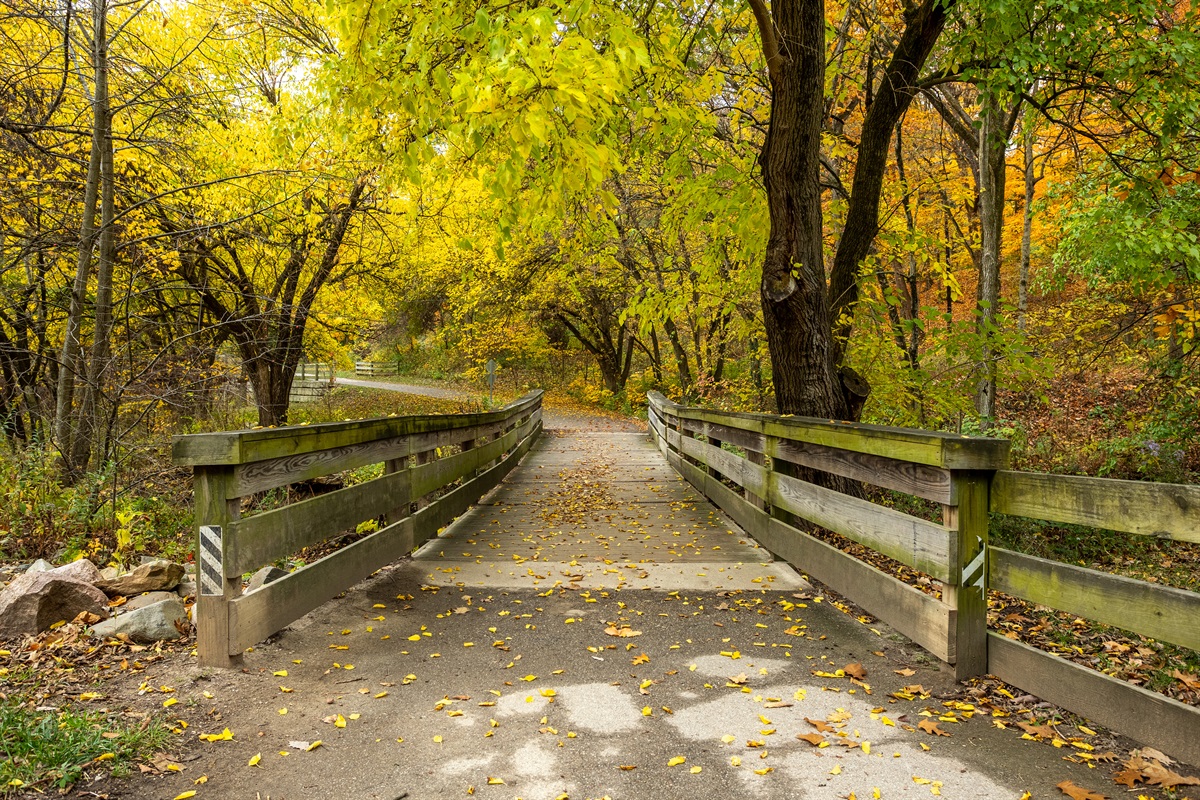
(1027,225)
(808,323)
(993,139)
(793,291)
(69,361)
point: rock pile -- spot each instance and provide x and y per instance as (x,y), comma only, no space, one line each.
(143,605)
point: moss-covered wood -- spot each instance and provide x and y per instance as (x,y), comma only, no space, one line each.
(946,450)
(1160,612)
(1167,510)
(1145,716)
(243,447)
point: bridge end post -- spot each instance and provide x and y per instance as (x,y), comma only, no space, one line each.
(967,597)
(216,506)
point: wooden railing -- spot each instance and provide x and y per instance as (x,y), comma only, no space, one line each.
(373,368)
(421,455)
(967,476)
(1163,510)
(314,371)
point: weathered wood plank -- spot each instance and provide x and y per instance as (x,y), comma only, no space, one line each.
(1166,510)
(260,539)
(260,476)
(923,545)
(920,617)
(749,476)
(921,480)
(946,450)
(217,506)
(747,440)
(265,612)
(1145,716)
(964,591)
(1160,612)
(242,447)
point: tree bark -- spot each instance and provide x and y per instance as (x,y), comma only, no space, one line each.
(70,357)
(807,321)
(1027,224)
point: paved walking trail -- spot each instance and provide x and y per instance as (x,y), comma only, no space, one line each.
(592,629)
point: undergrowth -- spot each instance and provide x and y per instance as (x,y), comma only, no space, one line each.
(46,747)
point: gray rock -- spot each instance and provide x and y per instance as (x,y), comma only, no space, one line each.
(148,624)
(147,599)
(108,573)
(81,570)
(263,577)
(35,601)
(41,565)
(151,577)
(187,586)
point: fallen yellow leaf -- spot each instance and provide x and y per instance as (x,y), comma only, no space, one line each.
(255,761)
(676,761)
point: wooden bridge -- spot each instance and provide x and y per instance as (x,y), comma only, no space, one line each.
(609,509)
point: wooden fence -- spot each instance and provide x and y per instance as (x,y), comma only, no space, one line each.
(371,368)
(747,463)
(421,455)
(314,371)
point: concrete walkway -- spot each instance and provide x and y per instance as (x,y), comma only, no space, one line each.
(599,510)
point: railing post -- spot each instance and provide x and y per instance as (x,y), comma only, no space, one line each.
(216,507)
(967,596)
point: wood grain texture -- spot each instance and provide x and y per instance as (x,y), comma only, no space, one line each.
(913,613)
(265,612)
(1166,510)
(1160,612)
(921,480)
(261,539)
(242,447)
(261,476)
(216,504)
(964,591)
(1147,717)
(923,545)
(946,450)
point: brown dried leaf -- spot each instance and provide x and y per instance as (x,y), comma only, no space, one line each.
(1158,775)
(1078,792)
(623,633)
(1129,776)
(814,739)
(821,725)
(930,726)
(906,672)
(855,670)
(1040,731)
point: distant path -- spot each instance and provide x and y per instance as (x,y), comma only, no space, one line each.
(406,388)
(553,418)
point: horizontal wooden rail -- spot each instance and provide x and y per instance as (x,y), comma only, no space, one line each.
(1147,608)
(1143,715)
(374,368)
(1167,510)
(418,460)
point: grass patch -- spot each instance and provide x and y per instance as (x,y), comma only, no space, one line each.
(56,748)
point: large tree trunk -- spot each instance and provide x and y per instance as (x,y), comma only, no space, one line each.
(793,289)
(808,322)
